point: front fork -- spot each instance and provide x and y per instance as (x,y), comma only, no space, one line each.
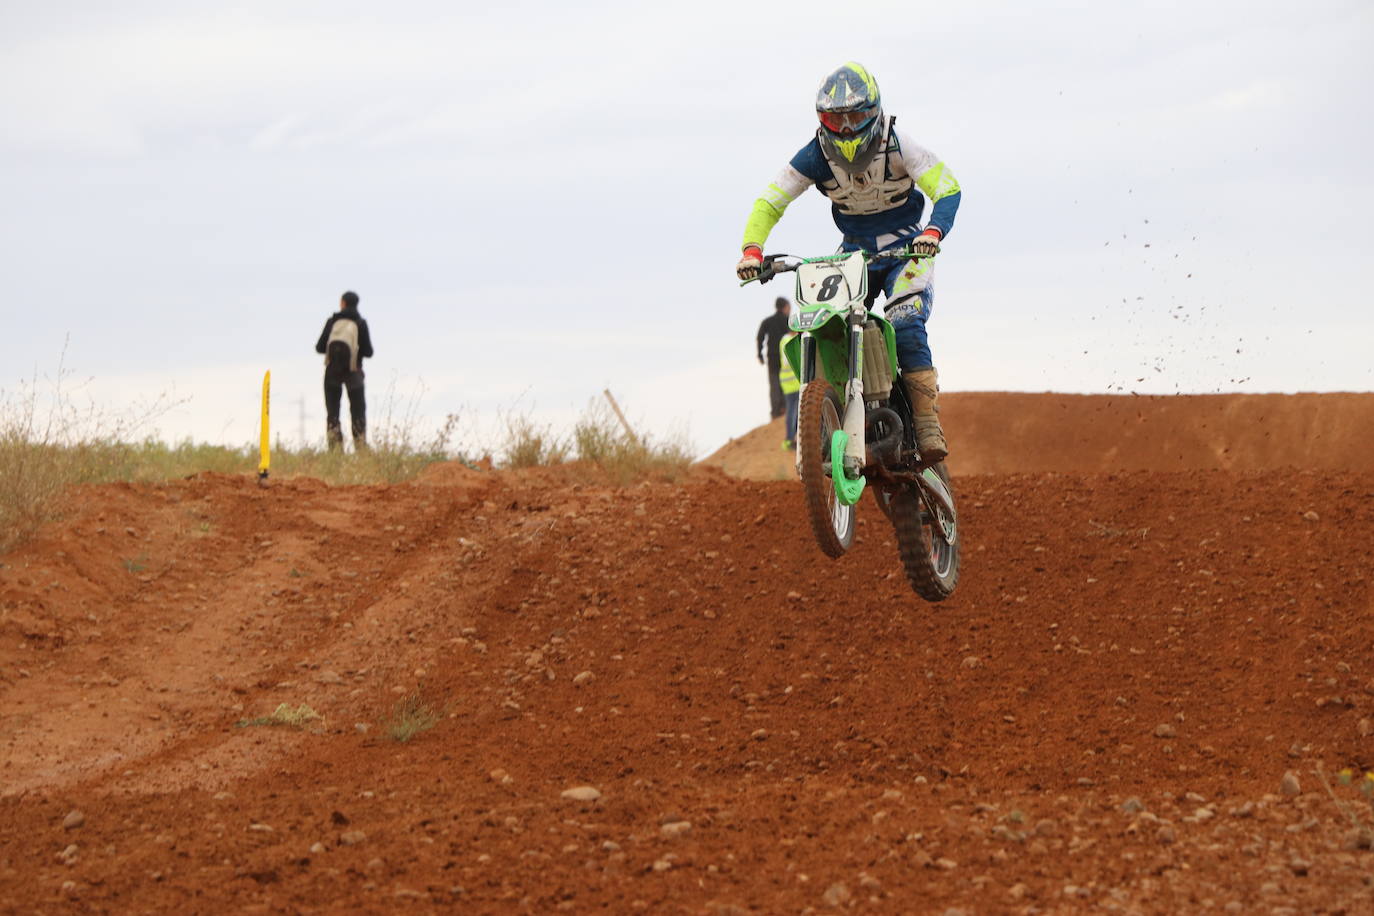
(848,450)
(854,449)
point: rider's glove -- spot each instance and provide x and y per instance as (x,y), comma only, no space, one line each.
(748,266)
(927,243)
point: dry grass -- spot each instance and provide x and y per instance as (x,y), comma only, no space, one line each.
(50,440)
(599,439)
(409,717)
(530,445)
(284,716)
(50,443)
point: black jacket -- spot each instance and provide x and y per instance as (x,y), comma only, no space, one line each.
(364,338)
(773,329)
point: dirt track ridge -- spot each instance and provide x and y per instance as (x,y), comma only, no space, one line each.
(1018,432)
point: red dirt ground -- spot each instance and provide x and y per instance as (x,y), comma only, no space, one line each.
(1100,719)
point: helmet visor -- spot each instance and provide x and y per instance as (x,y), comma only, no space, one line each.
(846,123)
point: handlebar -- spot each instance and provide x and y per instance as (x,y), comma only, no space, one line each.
(775,264)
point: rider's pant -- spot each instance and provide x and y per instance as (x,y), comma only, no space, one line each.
(910,290)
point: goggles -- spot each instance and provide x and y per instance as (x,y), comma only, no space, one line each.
(846,123)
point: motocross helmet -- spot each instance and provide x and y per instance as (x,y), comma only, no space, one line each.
(851,116)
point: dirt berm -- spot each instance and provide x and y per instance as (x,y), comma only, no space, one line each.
(1009,432)
(1129,705)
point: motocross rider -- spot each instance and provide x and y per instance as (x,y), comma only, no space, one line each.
(867,167)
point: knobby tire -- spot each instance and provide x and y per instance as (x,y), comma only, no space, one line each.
(814,425)
(914,544)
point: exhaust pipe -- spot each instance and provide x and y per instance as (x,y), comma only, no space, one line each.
(883,450)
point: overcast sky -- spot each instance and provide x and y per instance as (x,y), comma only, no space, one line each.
(538,200)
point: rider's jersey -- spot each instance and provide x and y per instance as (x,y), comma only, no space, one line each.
(879,204)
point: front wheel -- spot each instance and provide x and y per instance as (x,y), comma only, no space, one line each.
(929,554)
(818,417)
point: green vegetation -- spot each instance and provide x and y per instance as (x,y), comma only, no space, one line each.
(1359,812)
(409,717)
(284,716)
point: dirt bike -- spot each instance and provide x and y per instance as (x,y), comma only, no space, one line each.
(855,422)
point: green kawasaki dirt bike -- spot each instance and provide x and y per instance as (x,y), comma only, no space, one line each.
(855,421)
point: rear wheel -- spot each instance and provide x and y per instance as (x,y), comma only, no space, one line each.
(929,555)
(818,417)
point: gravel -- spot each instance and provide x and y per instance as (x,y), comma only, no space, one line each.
(675,829)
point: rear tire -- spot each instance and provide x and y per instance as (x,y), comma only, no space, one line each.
(818,417)
(931,563)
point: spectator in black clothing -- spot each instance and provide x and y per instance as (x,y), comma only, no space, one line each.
(771,333)
(344,342)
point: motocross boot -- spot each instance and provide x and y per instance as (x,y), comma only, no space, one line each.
(923,386)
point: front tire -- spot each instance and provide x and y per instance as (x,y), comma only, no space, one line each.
(818,417)
(931,562)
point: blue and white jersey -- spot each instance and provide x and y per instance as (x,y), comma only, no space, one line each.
(882,205)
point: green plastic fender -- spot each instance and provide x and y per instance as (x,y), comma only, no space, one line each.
(847,489)
(832,350)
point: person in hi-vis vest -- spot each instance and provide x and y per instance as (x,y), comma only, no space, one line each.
(345,341)
(791,388)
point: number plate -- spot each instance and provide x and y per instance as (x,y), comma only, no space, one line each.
(832,285)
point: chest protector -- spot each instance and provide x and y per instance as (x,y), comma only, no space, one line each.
(883,186)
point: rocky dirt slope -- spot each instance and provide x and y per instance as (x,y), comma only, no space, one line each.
(1124,707)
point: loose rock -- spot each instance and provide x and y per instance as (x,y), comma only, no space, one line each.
(582,794)
(1165,730)
(73,820)
(675,829)
(836,894)
(1289,785)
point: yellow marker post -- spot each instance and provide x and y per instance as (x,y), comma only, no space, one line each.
(266,447)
